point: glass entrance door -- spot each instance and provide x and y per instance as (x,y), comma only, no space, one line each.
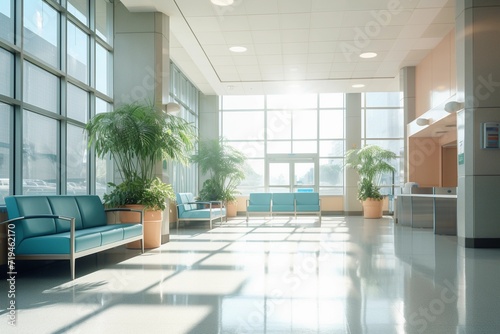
(292,175)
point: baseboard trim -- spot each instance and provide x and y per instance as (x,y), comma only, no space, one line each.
(479,242)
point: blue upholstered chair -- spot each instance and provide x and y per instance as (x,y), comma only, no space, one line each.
(188,209)
(259,202)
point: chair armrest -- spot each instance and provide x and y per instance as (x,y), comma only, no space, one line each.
(72,223)
(221,203)
(13,220)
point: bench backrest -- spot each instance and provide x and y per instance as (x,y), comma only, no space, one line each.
(307,198)
(183,198)
(283,202)
(307,202)
(87,210)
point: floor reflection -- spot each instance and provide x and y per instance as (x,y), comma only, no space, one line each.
(347,275)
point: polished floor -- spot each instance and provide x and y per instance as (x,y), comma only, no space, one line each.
(348,275)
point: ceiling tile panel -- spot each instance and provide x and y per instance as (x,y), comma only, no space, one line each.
(295,36)
(326,19)
(268,49)
(266,37)
(294,6)
(204,24)
(259,6)
(295,48)
(322,47)
(234,23)
(238,37)
(264,22)
(324,34)
(295,21)
(314,40)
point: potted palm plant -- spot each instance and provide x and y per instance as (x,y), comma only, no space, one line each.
(370,162)
(223,164)
(138,136)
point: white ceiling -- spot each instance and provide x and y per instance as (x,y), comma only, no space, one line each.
(300,45)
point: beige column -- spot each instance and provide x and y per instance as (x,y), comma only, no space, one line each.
(142,66)
(352,140)
(407,86)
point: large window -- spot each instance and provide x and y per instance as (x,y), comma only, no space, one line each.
(66,78)
(289,141)
(299,141)
(382,125)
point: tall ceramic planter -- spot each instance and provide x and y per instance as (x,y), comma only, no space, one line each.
(372,208)
(232,209)
(152,225)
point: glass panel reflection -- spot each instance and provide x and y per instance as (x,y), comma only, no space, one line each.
(7,73)
(103,79)
(78,103)
(6,21)
(5,147)
(76,161)
(78,53)
(104,20)
(40,160)
(41,34)
(80,9)
(279,174)
(40,87)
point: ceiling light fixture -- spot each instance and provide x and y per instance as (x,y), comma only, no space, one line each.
(222,2)
(422,121)
(367,55)
(453,106)
(172,108)
(237,49)
(358,86)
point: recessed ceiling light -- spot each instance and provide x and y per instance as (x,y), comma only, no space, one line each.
(237,49)
(367,55)
(222,2)
(358,86)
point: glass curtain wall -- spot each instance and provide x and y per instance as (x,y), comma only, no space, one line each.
(183,92)
(64,51)
(279,134)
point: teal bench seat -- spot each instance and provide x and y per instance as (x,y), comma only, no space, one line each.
(284,203)
(65,227)
(259,203)
(188,209)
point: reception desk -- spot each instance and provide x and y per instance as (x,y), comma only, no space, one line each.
(431,210)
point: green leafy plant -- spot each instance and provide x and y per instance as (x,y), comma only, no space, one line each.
(224,166)
(370,162)
(151,193)
(138,136)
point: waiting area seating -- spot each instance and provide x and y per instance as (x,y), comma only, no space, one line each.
(65,227)
(284,203)
(188,209)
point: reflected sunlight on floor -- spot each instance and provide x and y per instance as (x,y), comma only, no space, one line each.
(285,275)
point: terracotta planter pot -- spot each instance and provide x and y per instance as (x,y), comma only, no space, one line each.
(231,209)
(152,226)
(372,208)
